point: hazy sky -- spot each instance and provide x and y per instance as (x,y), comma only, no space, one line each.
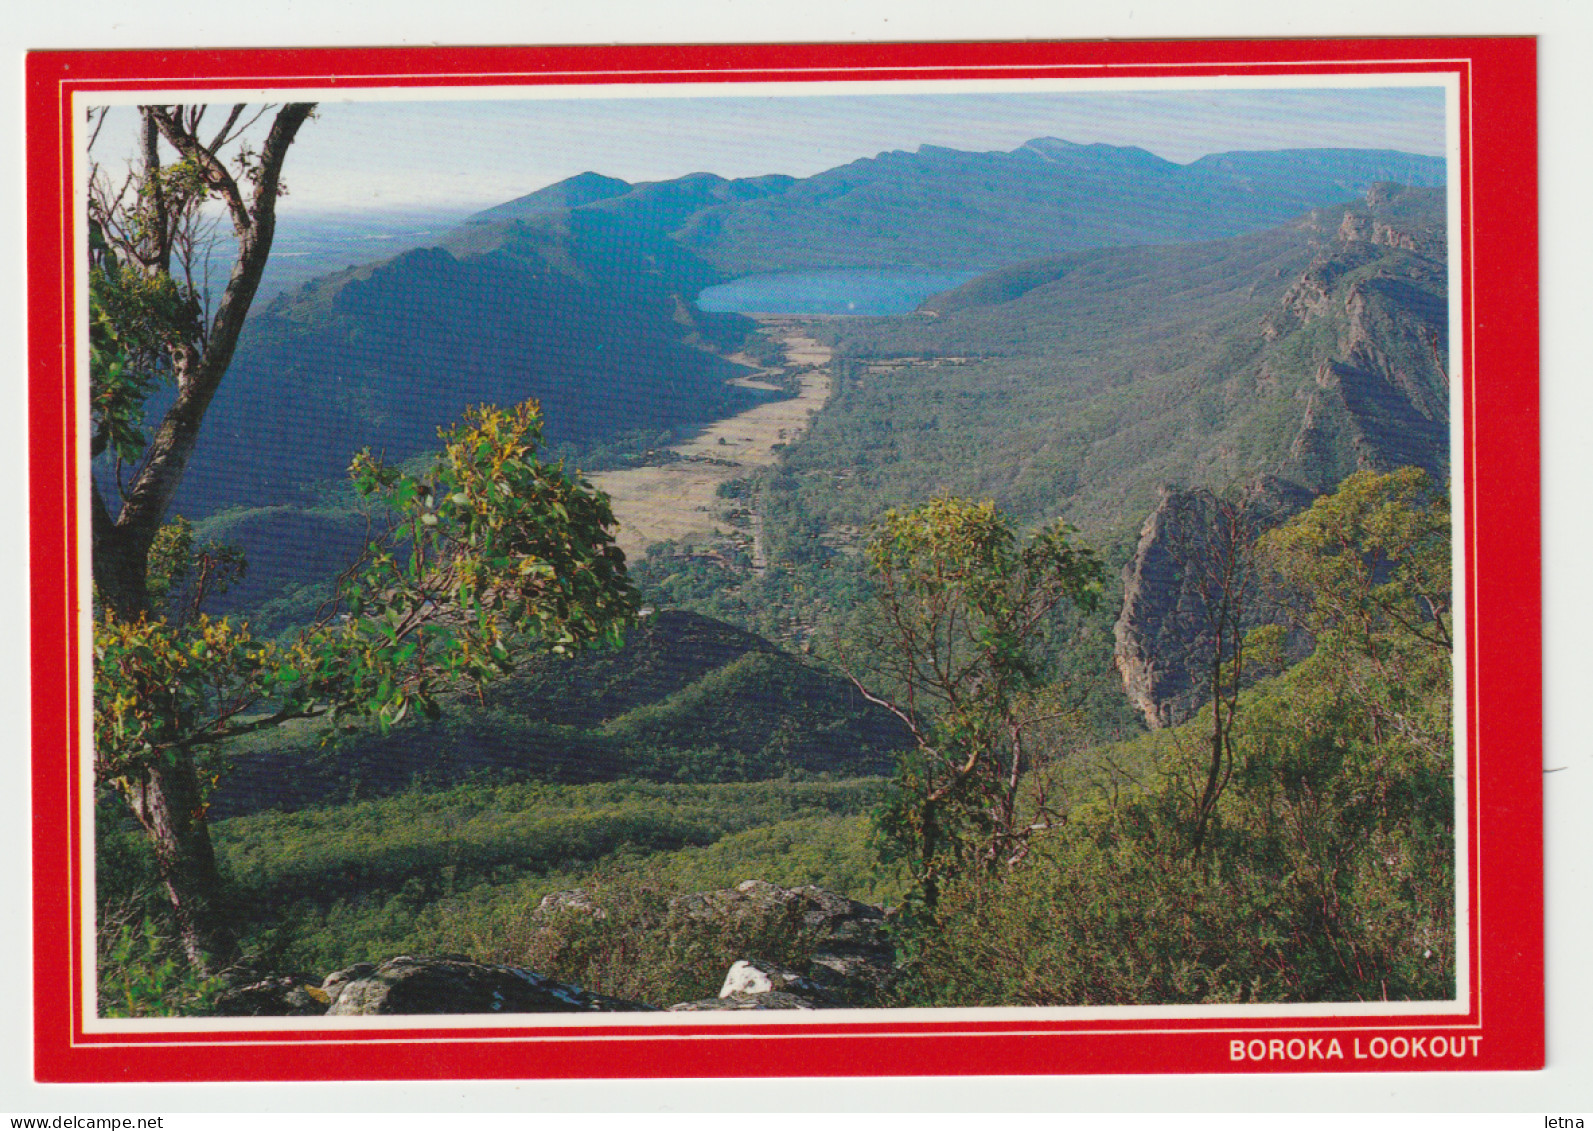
(363,155)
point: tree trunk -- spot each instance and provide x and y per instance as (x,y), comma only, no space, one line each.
(121,564)
(168,805)
(198,367)
(166,796)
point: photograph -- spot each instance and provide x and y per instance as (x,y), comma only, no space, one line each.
(773,561)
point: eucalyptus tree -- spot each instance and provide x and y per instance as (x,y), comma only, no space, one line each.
(486,551)
(964,606)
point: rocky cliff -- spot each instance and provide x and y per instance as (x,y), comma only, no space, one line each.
(1164,635)
(1367,319)
(1374,303)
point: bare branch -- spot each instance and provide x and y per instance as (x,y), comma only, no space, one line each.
(181,138)
(222,137)
(97,116)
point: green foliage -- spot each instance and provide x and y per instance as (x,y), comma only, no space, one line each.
(1328,876)
(1328,872)
(640,948)
(461,870)
(1370,559)
(1329,867)
(137,321)
(686,699)
(963,610)
(831,850)
(795,720)
(1366,571)
(140,965)
(517,549)
(479,827)
(160,688)
(490,551)
(142,972)
(181,576)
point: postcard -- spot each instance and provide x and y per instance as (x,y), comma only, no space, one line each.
(905,559)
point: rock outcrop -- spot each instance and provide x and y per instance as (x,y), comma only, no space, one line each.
(457,985)
(281,995)
(774,999)
(1164,636)
(1361,337)
(1380,398)
(765,985)
(852,962)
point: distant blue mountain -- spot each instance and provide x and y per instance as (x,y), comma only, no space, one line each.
(945,208)
(951,209)
(579,190)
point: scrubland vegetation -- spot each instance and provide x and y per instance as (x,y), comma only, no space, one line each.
(1329,875)
(462,870)
(1322,869)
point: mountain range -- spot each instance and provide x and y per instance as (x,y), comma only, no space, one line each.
(582,294)
(948,208)
(1143,327)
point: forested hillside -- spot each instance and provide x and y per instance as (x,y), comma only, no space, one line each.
(686,699)
(1080,384)
(604,336)
(1087,385)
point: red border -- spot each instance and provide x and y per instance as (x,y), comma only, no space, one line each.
(1504,1029)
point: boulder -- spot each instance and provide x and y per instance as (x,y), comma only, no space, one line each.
(285,995)
(857,975)
(575,901)
(334,982)
(407,985)
(852,964)
(813,909)
(748,979)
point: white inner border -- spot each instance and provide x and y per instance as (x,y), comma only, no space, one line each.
(772,1022)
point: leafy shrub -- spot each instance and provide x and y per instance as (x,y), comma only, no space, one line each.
(1327,874)
(143,973)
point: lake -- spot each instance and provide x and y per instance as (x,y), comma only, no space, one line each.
(833,291)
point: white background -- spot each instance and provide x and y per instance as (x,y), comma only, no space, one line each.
(1566,62)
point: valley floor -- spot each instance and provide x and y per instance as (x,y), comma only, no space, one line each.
(679,499)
